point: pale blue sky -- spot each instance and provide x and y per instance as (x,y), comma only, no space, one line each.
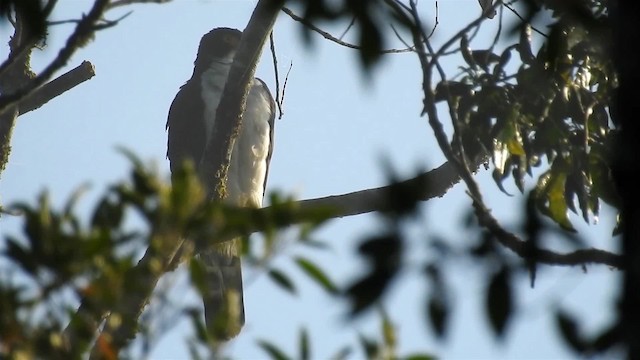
(335,131)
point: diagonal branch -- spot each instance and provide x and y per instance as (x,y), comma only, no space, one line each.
(215,160)
(56,87)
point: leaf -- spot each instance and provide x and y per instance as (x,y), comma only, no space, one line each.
(342,354)
(366,291)
(20,255)
(438,315)
(282,280)
(498,178)
(499,302)
(466,51)
(558,210)
(420,357)
(315,273)
(273,351)
(304,344)
(484,58)
(369,347)
(108,214)
(388,332)
(524,46)
(198,275)
(569,330)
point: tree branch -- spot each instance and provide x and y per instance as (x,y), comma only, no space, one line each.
(428,185)
(56,87)
(334,39)
(14,72)
(80,36)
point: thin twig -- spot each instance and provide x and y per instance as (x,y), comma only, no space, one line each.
(118,3)
(332,38)
(284,86)
(436,23)
(508,6)
(272,45)
(353,21)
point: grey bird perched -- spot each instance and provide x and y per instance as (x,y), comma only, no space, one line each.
(191,118)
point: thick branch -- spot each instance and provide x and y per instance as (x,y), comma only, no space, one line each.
(14,72)
(428,185)
(56,87)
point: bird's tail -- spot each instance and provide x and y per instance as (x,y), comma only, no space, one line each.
(222,296)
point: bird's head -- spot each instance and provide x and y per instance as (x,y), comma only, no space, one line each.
(218,45)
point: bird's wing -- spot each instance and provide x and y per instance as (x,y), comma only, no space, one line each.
(187,133)
(267,94)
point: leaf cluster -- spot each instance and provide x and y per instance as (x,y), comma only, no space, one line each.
(552,106)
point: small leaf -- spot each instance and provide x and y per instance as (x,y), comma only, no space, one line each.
(569,330)
(342,354)
(420,357)
(304,344)
(273,351)
(388,332)
(438,315)
(367,290)
(466,51)
(282,280)
(499,302)
(524,46)
(370,347)
(315,273)
(484,58)
(498,178)
(557,205)
(198,275)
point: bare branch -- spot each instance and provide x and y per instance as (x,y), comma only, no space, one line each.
(80,35)
(284,86)
(100,25)
(56,87)
(272,45)
(428,185)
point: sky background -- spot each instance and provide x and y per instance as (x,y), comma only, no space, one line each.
(339,125)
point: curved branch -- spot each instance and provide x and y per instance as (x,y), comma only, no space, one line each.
(428,185)
(334,39)
(56,87)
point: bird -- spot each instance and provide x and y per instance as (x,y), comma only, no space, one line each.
(189,125)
